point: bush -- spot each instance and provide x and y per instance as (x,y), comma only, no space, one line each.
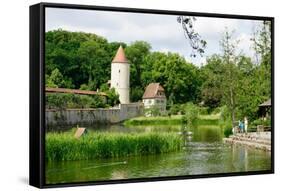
(227,131)
(112,97)
(153,111)
(261,122)
(176,109)
(65,101)
(56,80)
(204,110)
(216,110)
(191,114)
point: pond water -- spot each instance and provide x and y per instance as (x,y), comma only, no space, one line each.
(204,153)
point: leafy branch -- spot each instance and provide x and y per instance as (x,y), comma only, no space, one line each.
(197,44)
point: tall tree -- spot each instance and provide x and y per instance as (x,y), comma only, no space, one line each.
(95,63)
(262,47)
(136,53)
(179,78)
(211,90)
(231,74)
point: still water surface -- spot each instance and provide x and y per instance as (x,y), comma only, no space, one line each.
(204,154)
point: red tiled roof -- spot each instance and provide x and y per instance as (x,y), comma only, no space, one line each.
(73,91)
(120,56)
(151,91)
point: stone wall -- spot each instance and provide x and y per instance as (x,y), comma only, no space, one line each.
(73,117)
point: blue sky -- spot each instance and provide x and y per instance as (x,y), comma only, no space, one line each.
(163,32)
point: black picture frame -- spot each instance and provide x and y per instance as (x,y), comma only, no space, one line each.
(37,93)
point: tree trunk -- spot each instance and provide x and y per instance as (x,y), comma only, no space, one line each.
(232,106)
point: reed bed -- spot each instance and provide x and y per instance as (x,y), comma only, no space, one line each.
(63,146)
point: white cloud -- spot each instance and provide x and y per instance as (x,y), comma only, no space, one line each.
(161,31)
(214,27)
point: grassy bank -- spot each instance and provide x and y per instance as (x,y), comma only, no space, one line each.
(173,120)
(156,128)
(63,146)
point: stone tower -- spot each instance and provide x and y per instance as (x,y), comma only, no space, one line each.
(120,76)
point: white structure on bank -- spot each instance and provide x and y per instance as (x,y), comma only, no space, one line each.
(120,76)
(154,97)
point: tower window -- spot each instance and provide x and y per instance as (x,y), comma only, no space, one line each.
(119,71)
(116,84)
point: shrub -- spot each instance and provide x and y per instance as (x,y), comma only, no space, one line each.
(191,114)
(176,109)
(261,122)
(112,97)
(203,110)
(227,131)
(64,101)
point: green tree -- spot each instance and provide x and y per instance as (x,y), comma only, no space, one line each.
(191,114)
(56,80)
(230,79)
(211,74)
(95,63)
(179,78)
(112,97)
(262,47)
(136,53)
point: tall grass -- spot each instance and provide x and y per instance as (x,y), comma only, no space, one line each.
(63,146)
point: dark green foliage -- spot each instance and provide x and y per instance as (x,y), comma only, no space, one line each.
(136,93)
(211,89)
(180,79)
(227,131)
(79,56)
(56,80)
(64,101)
(136,53)
(112,97)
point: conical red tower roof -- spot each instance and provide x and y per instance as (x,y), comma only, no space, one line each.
(120,56)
